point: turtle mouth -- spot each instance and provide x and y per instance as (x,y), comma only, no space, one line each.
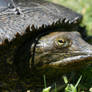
(75,61)
(58,59)
(72,60)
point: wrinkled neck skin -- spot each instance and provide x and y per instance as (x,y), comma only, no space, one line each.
(61,50)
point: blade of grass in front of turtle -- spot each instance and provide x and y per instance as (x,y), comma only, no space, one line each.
(78,81)
(55,88)
(44,80)
(65,79)
(46,89)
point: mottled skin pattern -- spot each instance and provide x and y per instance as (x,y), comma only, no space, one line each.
(38,41)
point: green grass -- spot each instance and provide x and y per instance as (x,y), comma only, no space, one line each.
(69,87)
(81,6)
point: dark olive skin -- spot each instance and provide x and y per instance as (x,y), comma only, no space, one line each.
(58,49)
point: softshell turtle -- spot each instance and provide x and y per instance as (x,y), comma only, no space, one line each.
(36,38)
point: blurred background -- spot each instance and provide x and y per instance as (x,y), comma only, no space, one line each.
(81,6)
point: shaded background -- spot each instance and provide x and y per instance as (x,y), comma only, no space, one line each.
(81,6)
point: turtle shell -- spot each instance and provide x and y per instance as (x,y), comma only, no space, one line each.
(33,13)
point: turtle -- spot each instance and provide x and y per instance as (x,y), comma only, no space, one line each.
(38,37)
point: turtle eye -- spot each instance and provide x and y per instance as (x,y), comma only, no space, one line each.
(62,43)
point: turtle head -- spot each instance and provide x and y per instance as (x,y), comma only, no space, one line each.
(62,49)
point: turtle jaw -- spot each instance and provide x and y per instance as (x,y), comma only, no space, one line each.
(67,61)
(83,59)
(76,59)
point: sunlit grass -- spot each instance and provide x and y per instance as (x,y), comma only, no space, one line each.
(69,87)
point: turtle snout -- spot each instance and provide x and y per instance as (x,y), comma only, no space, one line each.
(80,46)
